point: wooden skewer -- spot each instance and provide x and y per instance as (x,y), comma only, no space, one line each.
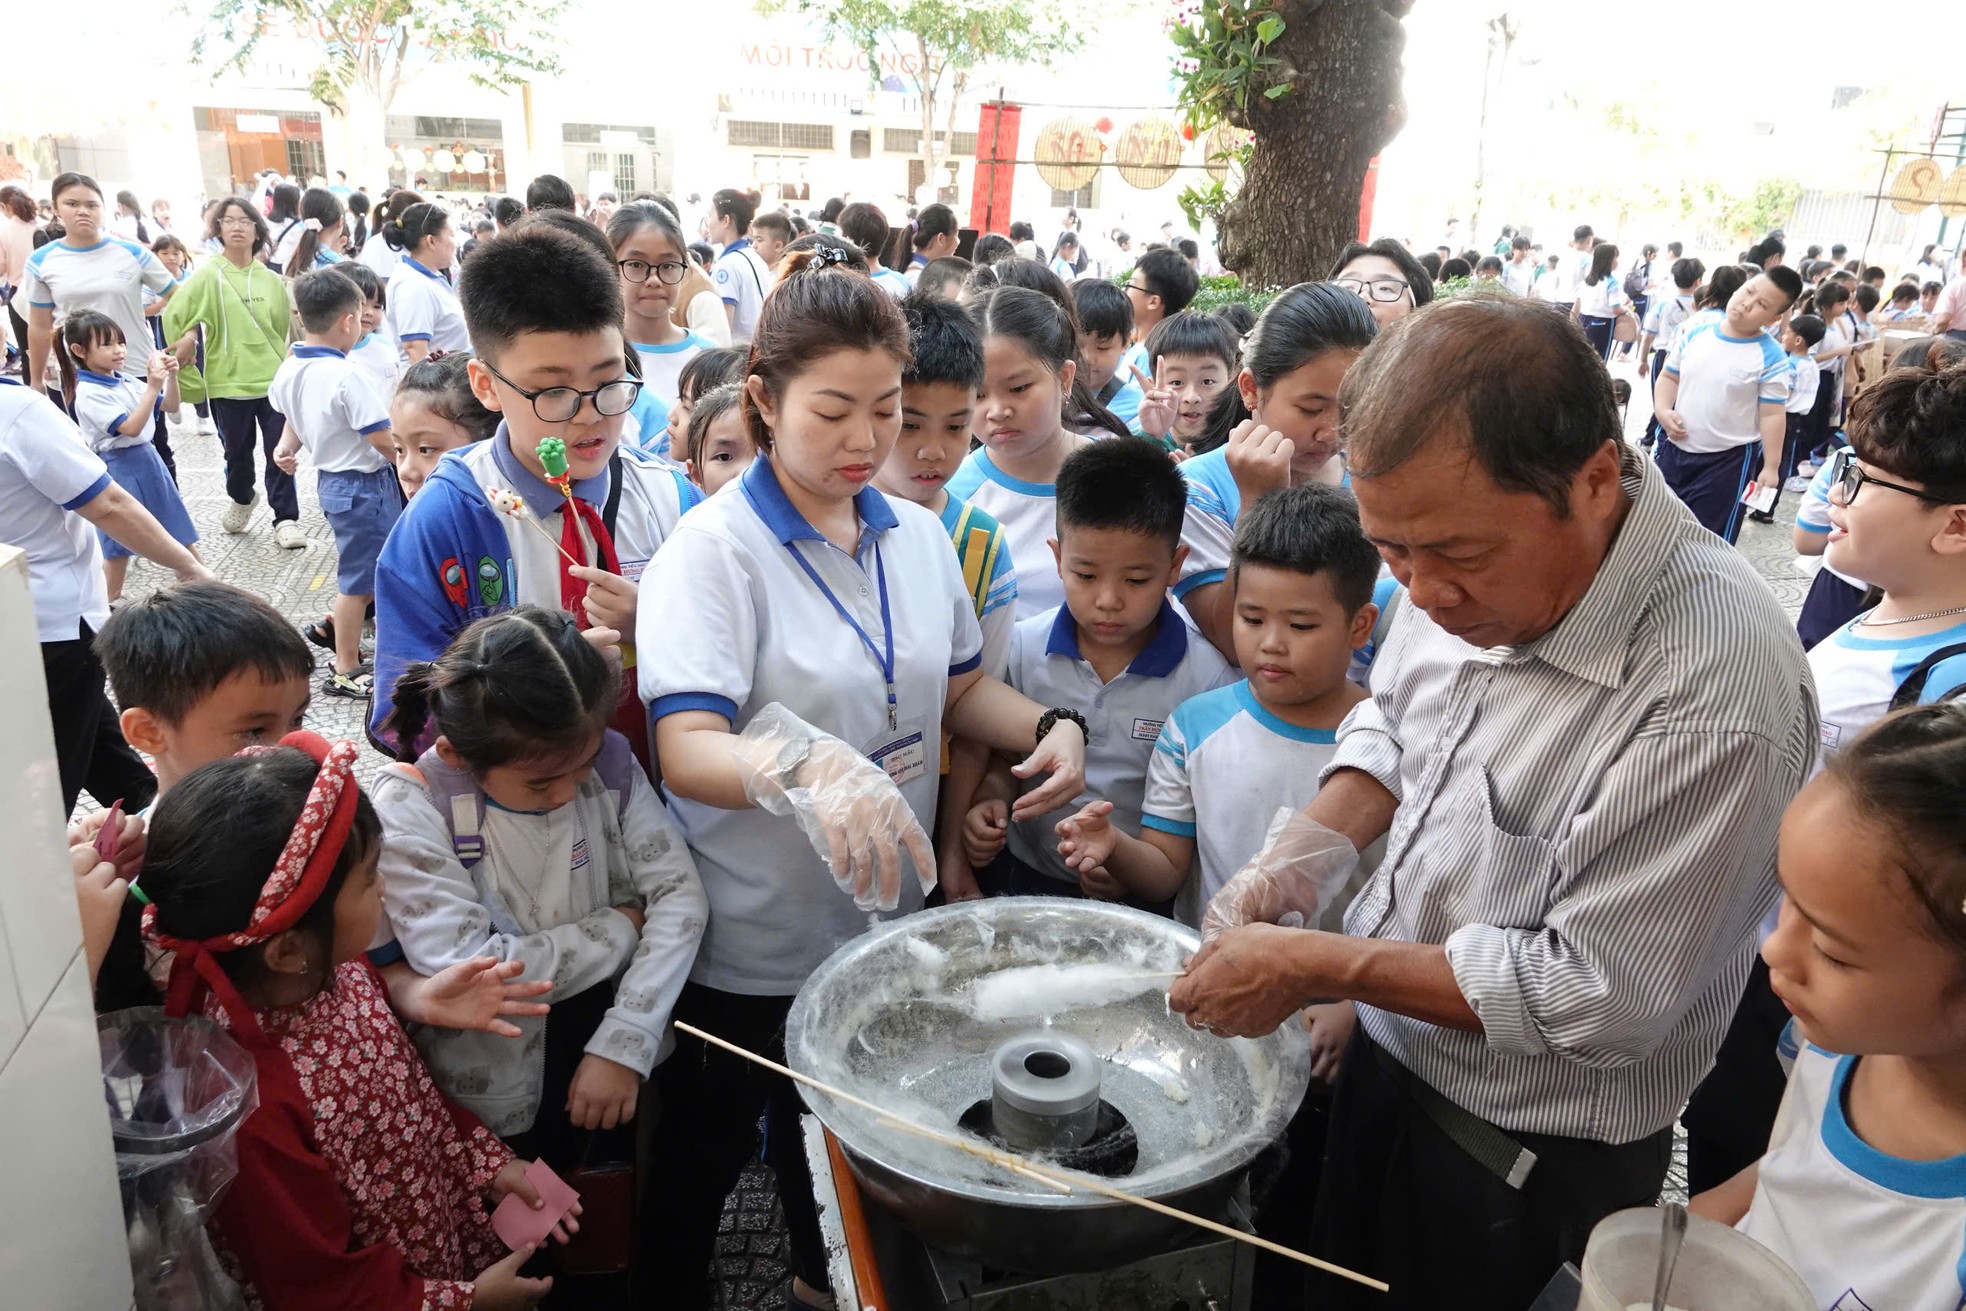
(1022,1165)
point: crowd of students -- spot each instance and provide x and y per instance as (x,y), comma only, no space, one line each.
(955,579)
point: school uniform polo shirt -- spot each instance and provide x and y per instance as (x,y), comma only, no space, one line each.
(740,625)
(1804,375)
(1029,515)
(1123,718)
(1209,529)
(103,401)
(45,472)
(1663,317)
(1812,514)
(741,279)
(379,360)
(1723,382)
(983,551)
(1222,768)
(423,307)
(333,409)
(1856,675)
(109,277)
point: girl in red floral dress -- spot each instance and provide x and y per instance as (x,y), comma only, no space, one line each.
(359,1185)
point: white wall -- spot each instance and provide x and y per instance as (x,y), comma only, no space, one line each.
(61,1220)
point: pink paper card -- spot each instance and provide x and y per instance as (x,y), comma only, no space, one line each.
(517,1224)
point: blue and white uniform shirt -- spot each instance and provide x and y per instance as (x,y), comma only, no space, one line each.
(1856,676)
(423,307)
(109,277)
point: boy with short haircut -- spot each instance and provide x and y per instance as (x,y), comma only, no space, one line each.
(938,397)
(1161,285)
(1105,331)
(771,233)
(1117,649)
(944,277)
(1802,335)
(1662,319)
(544,311)
(1229,759)
(333,412)
(1194,357)
(202,671)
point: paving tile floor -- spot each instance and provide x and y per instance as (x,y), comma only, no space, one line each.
(751,1248)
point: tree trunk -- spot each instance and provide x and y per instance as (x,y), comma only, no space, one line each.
(1299,201)
(930,82)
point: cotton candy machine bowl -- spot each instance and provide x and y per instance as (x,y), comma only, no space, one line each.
(1040,1025)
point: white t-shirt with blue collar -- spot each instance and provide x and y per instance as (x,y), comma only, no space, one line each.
(1856,676)
(1865,1231)
(647,424)
(380,361)
(423,307)
(1723,383)
(742,278)
(893,283)
(109,277)
(1123,718)
(1029,515)
(332,407)
(46,472)
(103,401)
(739,624)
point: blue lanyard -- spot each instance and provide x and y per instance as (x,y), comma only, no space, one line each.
(884,657)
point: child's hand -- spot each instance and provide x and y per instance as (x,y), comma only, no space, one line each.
(472,994)
(129,847)
(1331,1029)
(99,893)
(1087,839)
(634,915)
(1101,886)
(1259,459)
(610,598)
(605,640)
(287,453)
(1156,415)
(512,1179)
(957,879)
(502,1288)
(602,1094)
(1644,366)
(1674,423)
(155,369)
(984,831)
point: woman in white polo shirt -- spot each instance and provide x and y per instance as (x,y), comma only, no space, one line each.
(424,315)
(817,638)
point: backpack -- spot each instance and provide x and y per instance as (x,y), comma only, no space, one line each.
(459,799)
(1912,690)
(1638,279)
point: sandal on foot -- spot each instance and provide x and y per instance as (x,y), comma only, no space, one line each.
(355,685)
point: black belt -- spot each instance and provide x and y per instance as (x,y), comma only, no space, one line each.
(1491,1148)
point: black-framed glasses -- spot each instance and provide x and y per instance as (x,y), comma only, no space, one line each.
(1383,290)
(1849,478)
(559,404)
(668,272)
(1144,291)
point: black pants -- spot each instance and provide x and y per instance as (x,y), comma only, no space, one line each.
(554,1140)
(238,421)
(89,745)
(1285,1181)
(1400,1201)
(711,1101)
(1652,429)
(1733,1110)
(1830,604)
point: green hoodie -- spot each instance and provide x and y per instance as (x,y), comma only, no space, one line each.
(246,317)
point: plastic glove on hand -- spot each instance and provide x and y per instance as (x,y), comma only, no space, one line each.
(1302,866)
(847,806)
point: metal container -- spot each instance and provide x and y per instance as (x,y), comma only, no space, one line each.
(894,1016)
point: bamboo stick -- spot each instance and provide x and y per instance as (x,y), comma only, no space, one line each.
(1030,1168)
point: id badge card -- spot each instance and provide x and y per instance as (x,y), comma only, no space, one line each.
(903,753)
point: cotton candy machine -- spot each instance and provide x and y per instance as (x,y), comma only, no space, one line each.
(1040,1025)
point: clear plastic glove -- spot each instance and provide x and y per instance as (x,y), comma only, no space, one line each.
(851,812)
(1301,867)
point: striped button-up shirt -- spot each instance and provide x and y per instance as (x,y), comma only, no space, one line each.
(1588,822)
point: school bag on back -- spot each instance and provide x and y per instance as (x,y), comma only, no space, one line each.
(1638,279)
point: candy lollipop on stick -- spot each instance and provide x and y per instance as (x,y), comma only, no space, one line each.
(512,505)
(552,454)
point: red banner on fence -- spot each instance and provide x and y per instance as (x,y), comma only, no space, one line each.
(997,130)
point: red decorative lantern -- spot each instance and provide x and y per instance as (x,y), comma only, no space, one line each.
(1105,125)
(1187,131)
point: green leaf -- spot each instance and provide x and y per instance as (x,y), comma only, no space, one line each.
(1276,92)
(1269,30)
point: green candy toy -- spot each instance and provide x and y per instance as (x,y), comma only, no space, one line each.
(552,454)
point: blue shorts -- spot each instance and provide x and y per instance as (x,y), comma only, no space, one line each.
(361,508)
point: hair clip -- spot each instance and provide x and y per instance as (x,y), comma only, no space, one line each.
(826,256)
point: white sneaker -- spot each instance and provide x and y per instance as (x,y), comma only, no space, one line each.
(205,428)
(237,516)
(288,536)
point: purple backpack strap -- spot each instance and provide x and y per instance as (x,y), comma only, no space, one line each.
(616,767)
(458,798)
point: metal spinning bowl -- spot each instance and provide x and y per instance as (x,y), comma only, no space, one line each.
(887,1018)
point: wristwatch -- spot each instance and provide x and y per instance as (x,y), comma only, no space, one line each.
(790,756)
(1049,720)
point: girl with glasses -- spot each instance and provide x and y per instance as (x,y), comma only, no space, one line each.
(652,259)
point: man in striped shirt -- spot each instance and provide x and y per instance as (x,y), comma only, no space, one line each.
(1583,733)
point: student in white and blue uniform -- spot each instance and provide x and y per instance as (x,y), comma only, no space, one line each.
(1858,670)
(333,412)
(117,411)
(932,236)
(739,275)
(424,314)
(866,227)
(1722,403)
(88,269)
(652,259)
(1835,598)
(872,649)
